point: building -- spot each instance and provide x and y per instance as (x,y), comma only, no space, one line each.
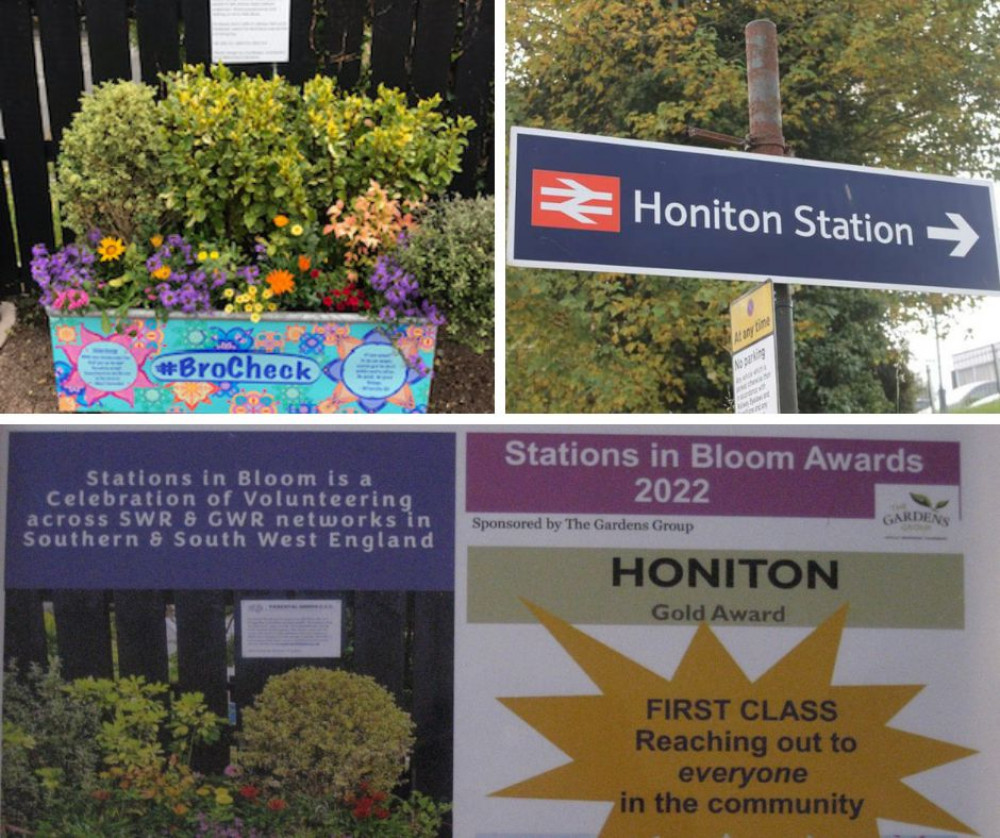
(976,365)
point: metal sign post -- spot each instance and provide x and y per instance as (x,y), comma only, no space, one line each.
(766,137)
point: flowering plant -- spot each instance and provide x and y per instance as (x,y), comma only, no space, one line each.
(112,758)
(345,266)
(83,275)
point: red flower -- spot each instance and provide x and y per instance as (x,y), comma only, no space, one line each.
(250,792)
(314,273)
(276,804)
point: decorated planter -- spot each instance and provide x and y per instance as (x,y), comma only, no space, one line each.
(225,363)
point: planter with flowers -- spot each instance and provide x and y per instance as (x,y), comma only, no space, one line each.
(238,248)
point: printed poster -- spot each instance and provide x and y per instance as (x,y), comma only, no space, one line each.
(201,577)
(704,632)
(250,31)
(680,631)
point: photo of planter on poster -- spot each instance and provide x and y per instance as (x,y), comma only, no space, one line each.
(228,634)
(699,633)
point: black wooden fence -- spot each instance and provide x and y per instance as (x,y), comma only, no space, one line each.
(403,640)
(420,46)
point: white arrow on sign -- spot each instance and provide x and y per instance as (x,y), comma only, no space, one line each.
(963,234)
(577,197)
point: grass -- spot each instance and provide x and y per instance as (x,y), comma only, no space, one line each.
(991,407)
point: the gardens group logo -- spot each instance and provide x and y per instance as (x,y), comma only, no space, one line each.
(920,514)
(574,201)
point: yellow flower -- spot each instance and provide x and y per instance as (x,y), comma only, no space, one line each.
(242,298)
(162,272)
(266,294)
(180,809)
(156,240)
(255,318)
(228,309)
(214,254)
(223,797)
(297,230)
(110,249)
(228,293)
(202,255)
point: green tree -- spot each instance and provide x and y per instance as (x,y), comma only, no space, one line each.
(900,83)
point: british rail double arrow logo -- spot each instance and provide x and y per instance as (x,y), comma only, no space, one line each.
(574,201)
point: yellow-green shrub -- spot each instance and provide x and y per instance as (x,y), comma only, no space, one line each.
(322,732)
(413,151)
(235,157)
(110,168)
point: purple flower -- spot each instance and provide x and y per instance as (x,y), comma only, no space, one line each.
(60,272)
(401,293)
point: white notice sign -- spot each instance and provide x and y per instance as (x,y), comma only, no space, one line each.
(755,378)
(299,628)
(250,31)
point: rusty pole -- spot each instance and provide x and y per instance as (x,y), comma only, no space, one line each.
(766,137)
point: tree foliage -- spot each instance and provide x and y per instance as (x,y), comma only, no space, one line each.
(908,84)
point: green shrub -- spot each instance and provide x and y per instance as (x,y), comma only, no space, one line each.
(49,743)
(412,151)
(235,157)
(452,256)
(323,732)
(110,169)
(137,717)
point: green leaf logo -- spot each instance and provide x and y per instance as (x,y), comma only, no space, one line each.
(923,500)
(941,504)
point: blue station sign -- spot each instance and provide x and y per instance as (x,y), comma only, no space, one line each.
(611,205)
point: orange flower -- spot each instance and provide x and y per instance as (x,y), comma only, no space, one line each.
(280,220)
(281,281)
(305,263)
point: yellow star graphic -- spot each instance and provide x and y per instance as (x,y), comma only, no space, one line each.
(711,753)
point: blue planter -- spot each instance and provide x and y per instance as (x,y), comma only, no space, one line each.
(224,363)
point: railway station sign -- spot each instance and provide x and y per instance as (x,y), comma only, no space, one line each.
(606,204)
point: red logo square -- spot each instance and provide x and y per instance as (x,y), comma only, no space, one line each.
(574,201)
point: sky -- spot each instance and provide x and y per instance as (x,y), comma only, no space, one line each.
(970,330)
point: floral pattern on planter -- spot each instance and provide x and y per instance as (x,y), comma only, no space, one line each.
(285,363)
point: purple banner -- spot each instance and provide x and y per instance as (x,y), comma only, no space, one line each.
(210,510)
(738,476)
